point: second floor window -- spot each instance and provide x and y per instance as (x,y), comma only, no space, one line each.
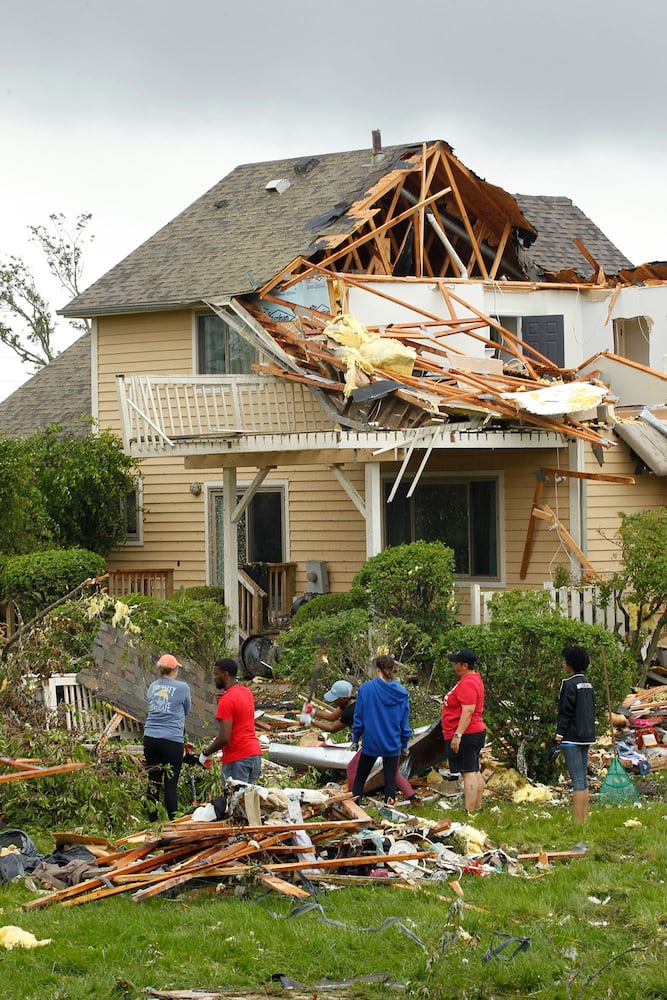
(220,349)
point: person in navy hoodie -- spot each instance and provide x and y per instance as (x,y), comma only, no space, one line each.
(381,724)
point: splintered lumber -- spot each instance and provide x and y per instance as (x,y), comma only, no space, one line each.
(551,855)
(281,886)
(133,864)
(26,771)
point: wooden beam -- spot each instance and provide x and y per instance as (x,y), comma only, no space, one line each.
(501,249)
(464,215)
(599,476)
(528,544)
(545,513)
(327,261)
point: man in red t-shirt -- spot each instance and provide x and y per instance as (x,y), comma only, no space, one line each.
(463,726)
(241,750)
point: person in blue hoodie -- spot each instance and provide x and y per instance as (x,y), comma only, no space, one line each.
(381,723)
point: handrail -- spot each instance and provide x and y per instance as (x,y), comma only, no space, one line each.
(159,412)
(251,606)
(150,582)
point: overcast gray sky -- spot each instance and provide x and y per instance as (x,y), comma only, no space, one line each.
(131,110)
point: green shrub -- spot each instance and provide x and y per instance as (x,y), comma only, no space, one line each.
(414,582)
(63,642)
(521,664)
(348,649)
(321,605)
(106,798)
(406,642)
(201,593)
(38,579)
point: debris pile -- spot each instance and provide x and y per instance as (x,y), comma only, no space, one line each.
(642,725)
(284,840)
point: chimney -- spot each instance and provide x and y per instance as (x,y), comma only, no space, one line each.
(376,142)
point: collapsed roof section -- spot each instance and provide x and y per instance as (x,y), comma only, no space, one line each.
(427,215)
(415,374)
(426,218)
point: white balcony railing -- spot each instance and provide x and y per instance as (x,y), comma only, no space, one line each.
(162,412)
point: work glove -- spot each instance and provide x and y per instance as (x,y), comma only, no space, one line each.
(306,716)
(189,755)
(204,761)
(355,747)
(405,752)
(552,751)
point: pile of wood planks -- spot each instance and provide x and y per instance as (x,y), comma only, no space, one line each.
(186,851)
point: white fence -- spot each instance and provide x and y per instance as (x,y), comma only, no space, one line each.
(79,709)
(583,604)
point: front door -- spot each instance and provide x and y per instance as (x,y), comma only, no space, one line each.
(260,531)
(547,335)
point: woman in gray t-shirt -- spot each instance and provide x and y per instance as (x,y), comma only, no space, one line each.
(164,735)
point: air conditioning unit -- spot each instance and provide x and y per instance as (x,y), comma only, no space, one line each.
(317,577)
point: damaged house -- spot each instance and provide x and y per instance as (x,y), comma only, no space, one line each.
(324,356)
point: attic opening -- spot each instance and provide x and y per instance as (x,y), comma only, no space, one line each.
(632,338)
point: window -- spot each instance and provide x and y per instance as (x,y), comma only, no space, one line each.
(220,349)
(461,513)
(133,514)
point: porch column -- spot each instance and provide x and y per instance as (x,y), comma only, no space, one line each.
(373,508)
(230,549)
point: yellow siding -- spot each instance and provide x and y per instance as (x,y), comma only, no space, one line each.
(324,524)
(605,500)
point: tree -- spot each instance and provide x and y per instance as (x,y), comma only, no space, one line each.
(641,585)
(22,303)
(61,490)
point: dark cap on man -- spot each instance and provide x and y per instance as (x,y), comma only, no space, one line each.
(463,656)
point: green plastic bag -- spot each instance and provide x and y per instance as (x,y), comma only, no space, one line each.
(617,786)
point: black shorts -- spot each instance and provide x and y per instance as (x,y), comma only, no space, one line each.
(467,759)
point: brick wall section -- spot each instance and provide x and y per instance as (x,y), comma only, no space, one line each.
(123,671)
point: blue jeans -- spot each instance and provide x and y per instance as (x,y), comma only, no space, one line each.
(247,769)
(576,761)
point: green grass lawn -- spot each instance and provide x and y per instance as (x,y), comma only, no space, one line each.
(241,941)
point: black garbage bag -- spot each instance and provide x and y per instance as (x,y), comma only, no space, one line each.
(27,859)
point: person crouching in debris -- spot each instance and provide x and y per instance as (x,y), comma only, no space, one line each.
(575,726)
(463,726)
(341,716)
(164,735)
(381,723)
(241,750)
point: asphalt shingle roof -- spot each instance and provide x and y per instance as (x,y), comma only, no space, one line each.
(235,229)
(239,234)
(557,221)
(58,394)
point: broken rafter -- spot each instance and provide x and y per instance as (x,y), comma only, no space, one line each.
(326,263)
(464,215)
